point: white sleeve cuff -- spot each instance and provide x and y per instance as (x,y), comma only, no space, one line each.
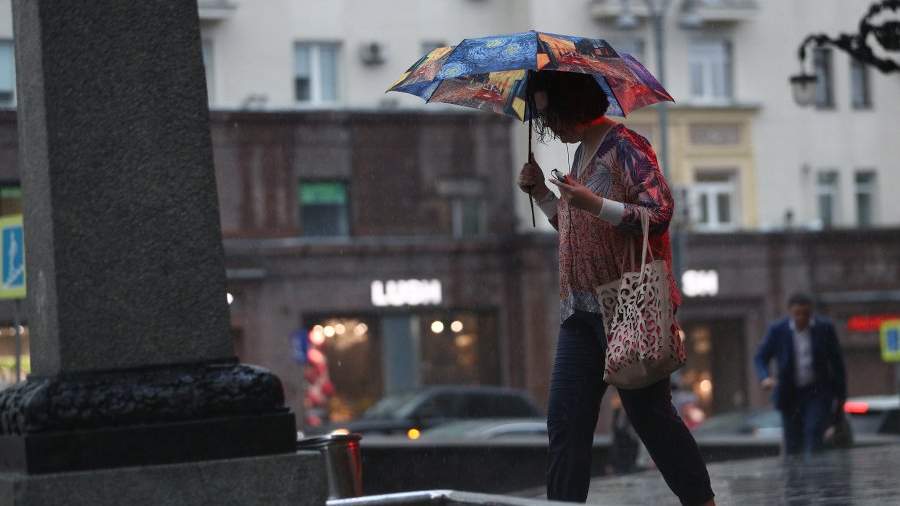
(548,205)
(612,211)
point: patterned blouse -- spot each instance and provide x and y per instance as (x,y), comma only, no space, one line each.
(591,250)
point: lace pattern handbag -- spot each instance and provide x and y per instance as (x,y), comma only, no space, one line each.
(644,343)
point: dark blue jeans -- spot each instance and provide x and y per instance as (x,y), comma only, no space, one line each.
(576,389)
(805,421)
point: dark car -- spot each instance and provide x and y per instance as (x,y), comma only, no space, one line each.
(869,416)
(489,429)
(877,414)
(765,423)
(433,406)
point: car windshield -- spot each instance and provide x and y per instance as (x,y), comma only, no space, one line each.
(389,407)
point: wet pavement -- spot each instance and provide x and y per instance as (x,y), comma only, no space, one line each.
(862,476)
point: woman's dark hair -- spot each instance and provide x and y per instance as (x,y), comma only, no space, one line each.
(571,98)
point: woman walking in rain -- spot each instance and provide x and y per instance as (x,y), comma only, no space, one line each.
(614,179)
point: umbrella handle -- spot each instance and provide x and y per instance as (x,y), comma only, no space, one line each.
(531,201)
(531,188)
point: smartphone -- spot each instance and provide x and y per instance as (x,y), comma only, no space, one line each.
(558,175)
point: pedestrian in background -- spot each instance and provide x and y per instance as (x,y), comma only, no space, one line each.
(811,386)
(614,178)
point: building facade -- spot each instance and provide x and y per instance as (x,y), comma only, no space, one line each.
(383,243)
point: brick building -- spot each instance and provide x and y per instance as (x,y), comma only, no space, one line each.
(389,240)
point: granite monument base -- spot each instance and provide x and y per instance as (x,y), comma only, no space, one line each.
(294,479)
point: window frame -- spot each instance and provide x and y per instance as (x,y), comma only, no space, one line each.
(16,185)
(315,73)
(864,101)
(347,206)
(823,68)
(628,44)
(712,62)
(711,190)
(869,188)
(832,190)
(458,216)
(13,101)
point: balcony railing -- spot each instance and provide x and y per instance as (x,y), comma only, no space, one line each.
(216,10)
(725,11)
(712,11)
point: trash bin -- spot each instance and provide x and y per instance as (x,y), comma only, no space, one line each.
(343,463)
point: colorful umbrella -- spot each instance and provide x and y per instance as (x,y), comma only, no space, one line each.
(490,73)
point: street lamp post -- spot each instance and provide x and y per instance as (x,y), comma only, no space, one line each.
(857,45)
(658,10)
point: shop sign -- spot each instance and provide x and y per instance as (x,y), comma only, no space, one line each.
(696,283)
(890,341)
(869,323)
(406,292)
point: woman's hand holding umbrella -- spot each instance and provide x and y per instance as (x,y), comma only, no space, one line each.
(579,195)
(531,179)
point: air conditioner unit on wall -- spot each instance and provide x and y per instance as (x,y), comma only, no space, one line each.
(372,53)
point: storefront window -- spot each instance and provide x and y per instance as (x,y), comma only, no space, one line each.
(343,374)
(8,354)
(323,208)
(715,373)
(353,361)
(454,351)
(10,199)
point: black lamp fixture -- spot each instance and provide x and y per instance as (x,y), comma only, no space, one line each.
(858,45)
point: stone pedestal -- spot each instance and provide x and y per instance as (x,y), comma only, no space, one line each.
(283,480)
(135,396)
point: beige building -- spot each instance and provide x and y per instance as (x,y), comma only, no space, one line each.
(742,153)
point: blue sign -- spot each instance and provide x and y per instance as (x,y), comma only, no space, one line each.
(12,255)
(890,341)
(300,345)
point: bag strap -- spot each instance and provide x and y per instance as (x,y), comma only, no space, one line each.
(645,229)
(645,244)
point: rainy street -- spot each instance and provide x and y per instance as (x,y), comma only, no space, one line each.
(858,477)
(446,252)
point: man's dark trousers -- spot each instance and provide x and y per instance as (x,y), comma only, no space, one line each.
(805,421)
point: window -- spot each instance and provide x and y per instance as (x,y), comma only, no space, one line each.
(865,198)
(715,201)
(468,217)
(208,70)
(827,197)
(710,70)
(316,73)
(822,64)
(7,74)
(323,209)
(10,199)
(630,45)
(860,97)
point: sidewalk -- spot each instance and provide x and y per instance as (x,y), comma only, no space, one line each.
(862,476)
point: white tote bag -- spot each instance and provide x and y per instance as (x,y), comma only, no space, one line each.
(644,343)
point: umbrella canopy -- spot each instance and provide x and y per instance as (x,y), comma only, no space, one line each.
(490,73)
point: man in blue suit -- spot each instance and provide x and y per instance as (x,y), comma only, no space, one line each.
(811,386)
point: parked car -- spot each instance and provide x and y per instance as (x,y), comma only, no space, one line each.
(433,406)
(749,422)
(868,416)
(489,429)
(877,414)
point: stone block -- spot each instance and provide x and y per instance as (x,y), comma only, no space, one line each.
(296,479)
